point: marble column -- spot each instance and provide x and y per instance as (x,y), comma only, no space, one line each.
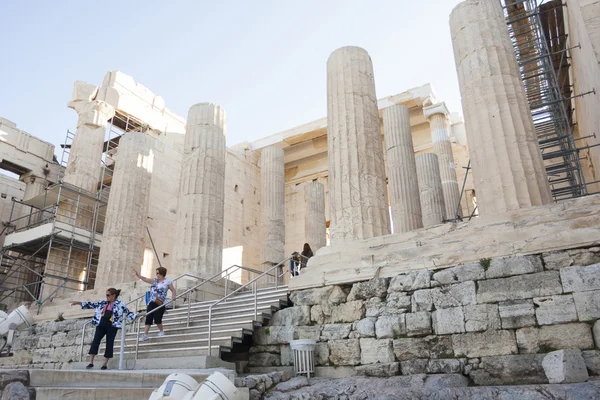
(272,207)
(127,211)
(508,171)
(315,228)
(437,115)
(357,186)
(402,171)
(201,211)
(430,189)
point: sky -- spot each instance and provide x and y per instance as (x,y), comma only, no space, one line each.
(263,61)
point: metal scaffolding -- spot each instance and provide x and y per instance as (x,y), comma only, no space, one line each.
(538,35)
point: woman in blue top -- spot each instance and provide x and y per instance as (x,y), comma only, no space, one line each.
(158,298)
(108,318)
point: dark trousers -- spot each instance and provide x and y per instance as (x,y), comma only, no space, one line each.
(294,267)
(104,328)
(157,316)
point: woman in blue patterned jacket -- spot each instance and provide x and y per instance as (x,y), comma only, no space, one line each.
(108,318)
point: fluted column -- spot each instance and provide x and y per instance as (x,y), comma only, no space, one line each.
(357,187)
(437,115)
(272,207)
(201,211)
(315,229)
(430,189)
(402,170)
(508,171)
(127,211)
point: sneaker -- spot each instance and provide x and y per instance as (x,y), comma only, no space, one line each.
(161,333)
(144,337)
(89,366)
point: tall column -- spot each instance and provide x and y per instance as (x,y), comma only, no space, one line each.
(315,228)
(430,189)
(402,170)
(199,229)
(508,170)
(357,187)
(272,207)
(437,115)
(127,211)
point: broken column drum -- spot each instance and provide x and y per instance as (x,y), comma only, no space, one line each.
(357,186)
(508,171)
(315,228)
(402,170)
(201,211)
(272,207)
(127,211)
(437,115)
(430,189)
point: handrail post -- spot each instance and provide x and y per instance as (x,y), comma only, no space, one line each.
(82,340)
(209,331)
(122,352)
(255,302)
(137,338)
(189,309)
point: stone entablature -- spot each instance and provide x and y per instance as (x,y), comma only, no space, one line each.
(493,320)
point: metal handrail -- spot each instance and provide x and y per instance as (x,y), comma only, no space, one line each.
(253,283)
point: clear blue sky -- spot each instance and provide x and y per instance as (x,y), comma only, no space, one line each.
(263,61)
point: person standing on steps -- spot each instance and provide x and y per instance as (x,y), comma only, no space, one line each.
(158,297)
(107,318)
(305,255)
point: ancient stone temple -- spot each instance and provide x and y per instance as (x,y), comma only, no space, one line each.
(449,255)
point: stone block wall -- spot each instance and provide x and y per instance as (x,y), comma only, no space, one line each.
(492,320)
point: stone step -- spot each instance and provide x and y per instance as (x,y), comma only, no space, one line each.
(166,363)
(85,393)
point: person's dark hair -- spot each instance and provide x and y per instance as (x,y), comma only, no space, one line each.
(162,271)
(306,248)
(114,291)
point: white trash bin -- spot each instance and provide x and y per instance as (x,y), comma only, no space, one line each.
(303,351)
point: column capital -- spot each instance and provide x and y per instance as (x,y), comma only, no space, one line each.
(439,108)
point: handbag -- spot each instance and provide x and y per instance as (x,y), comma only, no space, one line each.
(158,302)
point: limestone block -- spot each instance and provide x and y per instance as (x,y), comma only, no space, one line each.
(348,312)
(448,320)
(291,316)
(344,352)
(418,324)
(461,273)
(588,305)
(443,297)
(264,360)
(335,331)
(445,366)
(43,355)
(311,297)
(365,327)
(555,309)
(286,355)
(373,351)
(308,332)
(481,344)
(59,339)
(596,333)
(557,259)
(7,377)
(519,287)
(553,337)
(337,296)
(321,314)
(16,391)
(580,279)
(507,266)
(374,307)
(390,327)
(321,354)
(516,313)
(583,257)
(565,366)
(481,317)
(413,367)
(265,349)
(518,369)
(357,179)
(592,361)
(368,289)
(83,91)
(379,370)
(270,335)
(409,282)
(425,347)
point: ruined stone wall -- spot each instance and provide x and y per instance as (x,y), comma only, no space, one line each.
(492,320)
(9,188)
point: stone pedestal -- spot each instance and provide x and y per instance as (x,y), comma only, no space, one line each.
(357,187)
(430,189)
(272,208)
(437,115)
(199,229)
(402,171)
(508,171)
(315,229)
(127,211)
